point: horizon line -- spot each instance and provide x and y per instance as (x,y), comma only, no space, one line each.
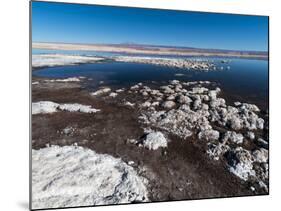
(152,45)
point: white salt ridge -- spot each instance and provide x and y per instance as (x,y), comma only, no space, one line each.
(44,107)
(101,91)
(72,176)
(195,64)
(72,79)
(50,60)
(129,104)
(113,94)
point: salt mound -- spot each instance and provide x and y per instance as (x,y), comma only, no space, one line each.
(154,140)
(73,176)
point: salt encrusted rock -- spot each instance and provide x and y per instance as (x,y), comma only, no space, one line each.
(262,174)
(145,88)
(199,90)
(217,102)
(120,90)
(158,98)
(113,94)
(171,97)
(209,135)
(205,106)
(237,118)
(168,104)
(146,104)
(240,163)
(154,92)
(262,143)
(129,104)
(231,136)
(131,162)
(154,140)
(237,103)
(68,130)
(215,151)
(197,104)
(174,82)
(184,107)
(183,99)
(101,91)
(261,155)
(235,123)
(250,135)
(249,107)
(167,90)
(205,98)
(155,103)
(144,93)
(260,123)
(135,87)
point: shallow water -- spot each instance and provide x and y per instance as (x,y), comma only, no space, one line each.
(246,80)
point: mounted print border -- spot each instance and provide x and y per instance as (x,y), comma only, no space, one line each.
(137,105)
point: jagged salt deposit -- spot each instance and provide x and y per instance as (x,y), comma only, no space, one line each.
(233,137)
(197,110)
(73,176)
(249,166)
(44,107)
(240,163)
(209,135)
(168,104)
(215,151)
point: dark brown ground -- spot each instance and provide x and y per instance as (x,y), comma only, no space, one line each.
(182,171)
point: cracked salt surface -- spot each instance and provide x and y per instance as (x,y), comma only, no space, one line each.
(73,176)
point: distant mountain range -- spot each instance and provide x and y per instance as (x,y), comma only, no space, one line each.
(132,48)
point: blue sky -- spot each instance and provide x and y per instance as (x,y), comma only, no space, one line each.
(74,23)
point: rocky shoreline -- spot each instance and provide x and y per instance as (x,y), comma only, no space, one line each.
(147,125)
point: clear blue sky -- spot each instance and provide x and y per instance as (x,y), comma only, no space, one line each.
(74,23)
